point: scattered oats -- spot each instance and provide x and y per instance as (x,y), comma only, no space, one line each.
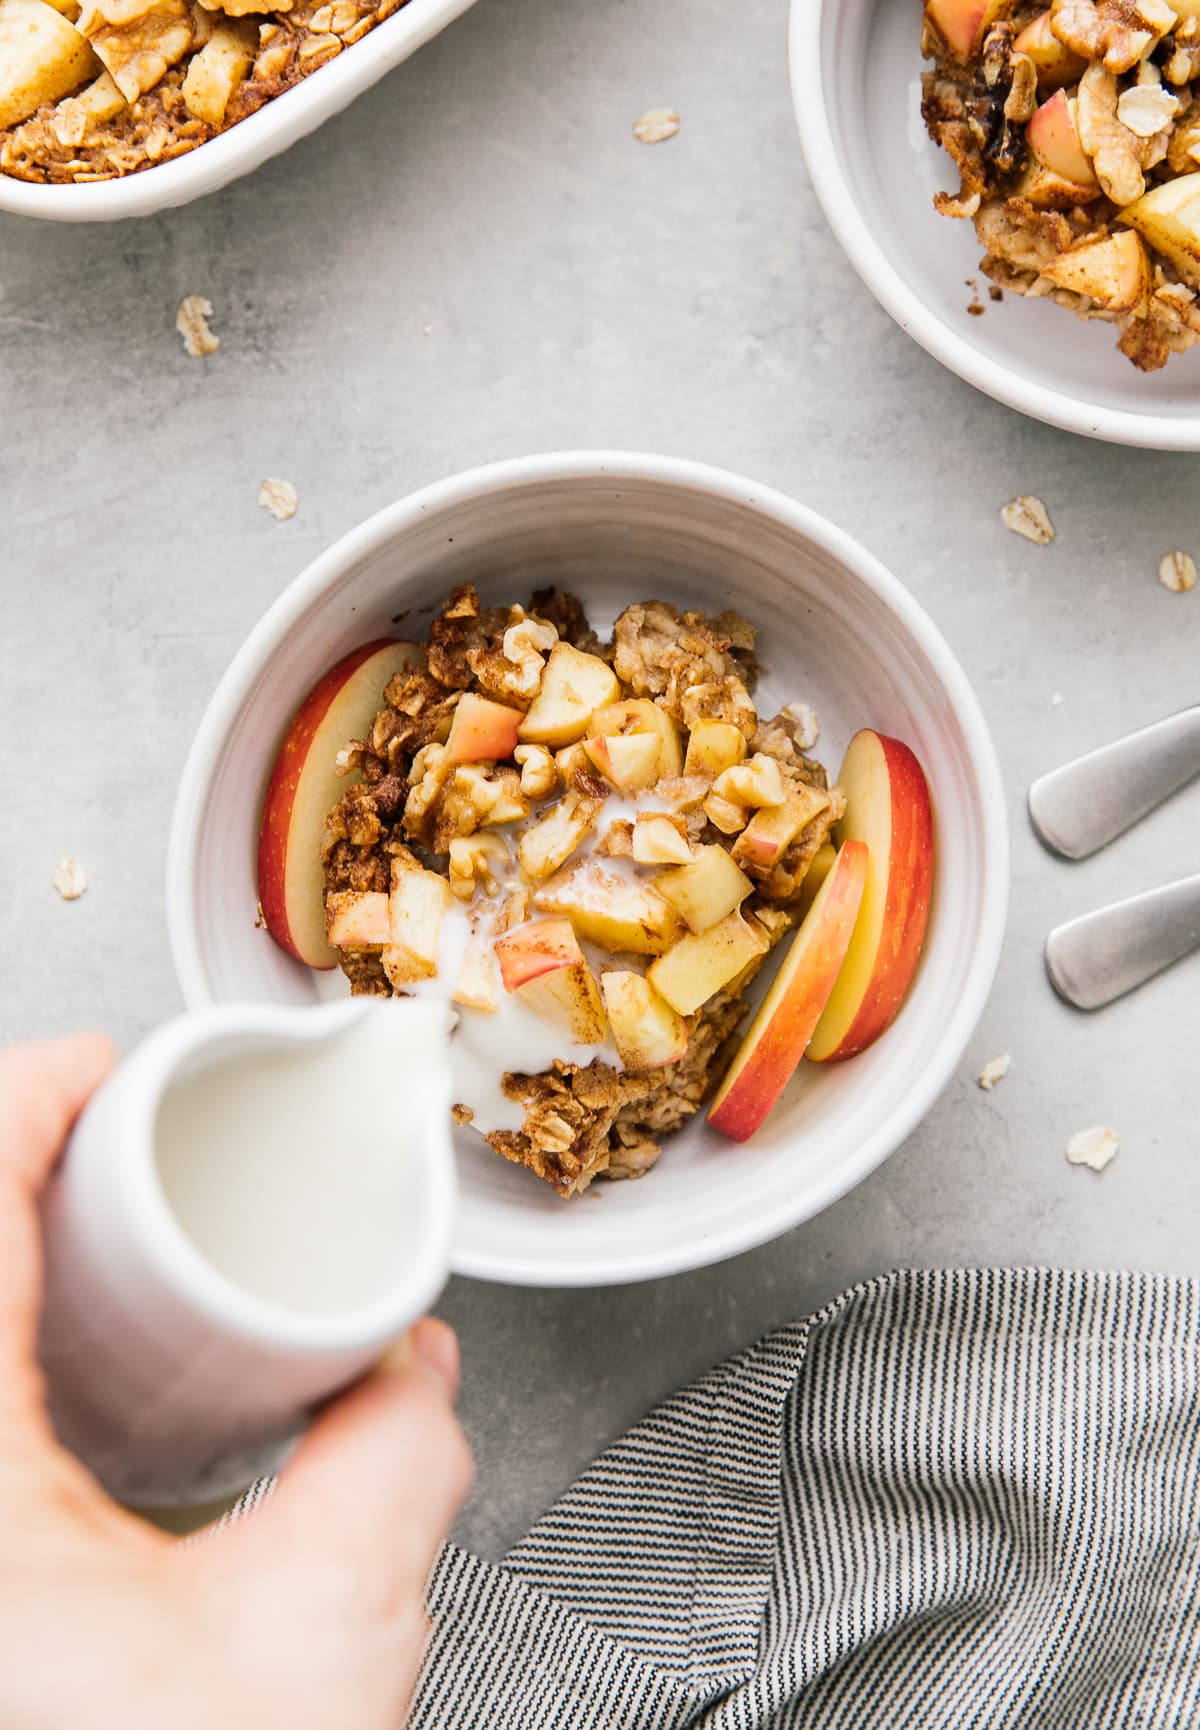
(1028,516)
(994,1071)
(70,880)
(1146,109)
(191,321)
(1093,1147)
(427,330)
(280,498)
(1057,700)
(260,918)
(806,729)
(656,125)
(1177,572)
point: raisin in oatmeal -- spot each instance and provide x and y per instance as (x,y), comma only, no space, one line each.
(1075,129)
(589,847)
(97,89)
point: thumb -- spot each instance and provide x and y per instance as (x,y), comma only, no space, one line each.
(381,1474)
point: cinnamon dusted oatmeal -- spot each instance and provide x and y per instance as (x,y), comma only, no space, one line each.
(590,847)
(105,88)
(1074,126)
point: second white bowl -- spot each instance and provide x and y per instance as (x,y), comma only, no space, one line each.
(836,630)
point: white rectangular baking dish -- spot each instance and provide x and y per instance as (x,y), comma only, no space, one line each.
(252,141)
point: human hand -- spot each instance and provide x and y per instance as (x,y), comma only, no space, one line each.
(309,1615)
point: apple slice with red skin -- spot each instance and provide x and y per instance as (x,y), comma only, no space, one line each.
(962,22)
(542,964)
(1053,135)
(887,806)
(304,787)
(482,731)
(775,1041)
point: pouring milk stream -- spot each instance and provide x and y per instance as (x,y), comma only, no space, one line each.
(250,1209)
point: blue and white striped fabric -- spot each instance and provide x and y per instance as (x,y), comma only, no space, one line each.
(949,1500)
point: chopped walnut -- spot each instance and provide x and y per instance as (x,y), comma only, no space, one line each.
(476,859)
(1111,146)
(191,321)
(1112,31)
(512,670)
(539,771)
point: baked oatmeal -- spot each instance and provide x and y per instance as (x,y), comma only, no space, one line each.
(589,847)
(1075,129)
(97,89)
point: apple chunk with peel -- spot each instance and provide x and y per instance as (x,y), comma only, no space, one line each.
(610,911)
(542,964)
(1054,139)
(1168,216)
(963,22)
(646,1031)
(482,731)
(629,761)
(698,965)
(303,788)
(1046,190)
(776,1039)
(1115,273)
(706,889)
(637,716)
(417,905)
(358,921)
(888,807)
(573,687)
(762,842)
(42,58)
(1055,63)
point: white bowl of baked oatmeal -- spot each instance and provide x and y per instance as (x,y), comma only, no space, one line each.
(690,605)
(1014,255)
(117,108)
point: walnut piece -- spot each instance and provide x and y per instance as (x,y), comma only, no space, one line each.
(191,321)
(1111,146)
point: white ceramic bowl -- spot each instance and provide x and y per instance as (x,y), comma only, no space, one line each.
(253,141)
(836,630)
(856,68)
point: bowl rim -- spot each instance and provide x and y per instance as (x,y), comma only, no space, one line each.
(273,128)
(621,468)
(1151,430)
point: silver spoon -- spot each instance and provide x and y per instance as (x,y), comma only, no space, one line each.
(1105,954)
(1088,803)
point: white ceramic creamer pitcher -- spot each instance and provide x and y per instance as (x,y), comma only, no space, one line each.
(249,1210)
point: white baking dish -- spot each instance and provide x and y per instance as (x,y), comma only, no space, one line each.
(252,141)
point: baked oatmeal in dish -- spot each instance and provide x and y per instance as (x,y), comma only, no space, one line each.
(1075,128)
(589,847)
(97,89)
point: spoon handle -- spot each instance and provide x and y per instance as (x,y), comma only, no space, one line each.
(1105,954)
(1088,803)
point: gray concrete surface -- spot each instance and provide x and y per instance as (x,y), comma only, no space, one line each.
(579,289)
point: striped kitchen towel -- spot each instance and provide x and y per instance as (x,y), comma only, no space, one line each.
(948,1500)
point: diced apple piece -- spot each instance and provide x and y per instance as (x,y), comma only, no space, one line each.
(99,101)
(707,889)
(646,1031)
(1046,190)
(713,747)
(573,687)
(543,965)
(628,760)
(304,787)
(962,23)
(1054,139)
(357,920)
(610,911)
(1055,62)
(818,871)
(764,838)
(700,964)
(776,1039)
(417,905)
(640,715)
(887,806)
(482,731)
(660,840)
(1115,273)
(550,841)
(216,71)
(1168,217)
(476,988)
(42,58)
